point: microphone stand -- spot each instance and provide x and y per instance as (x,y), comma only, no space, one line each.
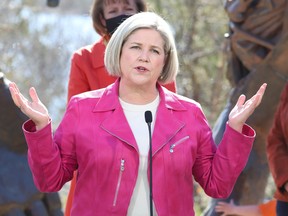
(150,157)
(148,119)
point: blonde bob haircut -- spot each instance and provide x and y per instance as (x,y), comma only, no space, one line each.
(143,20)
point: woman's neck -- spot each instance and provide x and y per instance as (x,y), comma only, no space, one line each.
(137,95)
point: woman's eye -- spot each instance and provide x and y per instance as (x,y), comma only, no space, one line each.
(135,47)
(111,11)
(129,9)
(155,51)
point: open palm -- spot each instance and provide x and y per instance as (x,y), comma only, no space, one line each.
(34,109)
(243,109)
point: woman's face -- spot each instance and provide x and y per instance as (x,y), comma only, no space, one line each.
(119,7)
(142,58)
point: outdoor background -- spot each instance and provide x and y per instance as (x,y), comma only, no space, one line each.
(37,41)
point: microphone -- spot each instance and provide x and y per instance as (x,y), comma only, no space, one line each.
(148,119)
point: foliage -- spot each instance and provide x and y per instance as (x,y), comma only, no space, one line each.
(199,27)
(35,51)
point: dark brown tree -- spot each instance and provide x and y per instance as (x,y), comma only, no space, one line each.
(258,50)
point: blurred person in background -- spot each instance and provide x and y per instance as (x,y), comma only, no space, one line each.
(264,209)
(277,153)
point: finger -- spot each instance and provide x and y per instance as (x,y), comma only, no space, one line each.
(33,94)
(260,93)
(241,100)
(14,93)
(19,100)
(15,87)
(262,89)
(218,209)
(22,102)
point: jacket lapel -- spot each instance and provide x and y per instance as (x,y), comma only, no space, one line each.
(115,123)
(166,125)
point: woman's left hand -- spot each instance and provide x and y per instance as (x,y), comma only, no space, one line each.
(242,110)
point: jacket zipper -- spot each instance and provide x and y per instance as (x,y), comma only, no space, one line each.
(122,168)
(177,143)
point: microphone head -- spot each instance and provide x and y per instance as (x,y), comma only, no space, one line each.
(148,116)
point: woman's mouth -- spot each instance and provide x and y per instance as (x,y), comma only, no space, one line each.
(141,69)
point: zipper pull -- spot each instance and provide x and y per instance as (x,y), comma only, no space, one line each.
(172,148)
(122,166)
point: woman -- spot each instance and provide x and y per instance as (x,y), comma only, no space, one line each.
(104,135)
(88,71)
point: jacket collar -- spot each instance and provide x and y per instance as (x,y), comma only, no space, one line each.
(166,125)
(110,101)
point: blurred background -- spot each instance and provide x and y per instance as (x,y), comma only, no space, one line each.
(37,41)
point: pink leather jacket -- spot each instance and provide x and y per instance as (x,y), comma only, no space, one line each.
(94,137)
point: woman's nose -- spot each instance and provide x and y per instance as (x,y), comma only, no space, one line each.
(143,57)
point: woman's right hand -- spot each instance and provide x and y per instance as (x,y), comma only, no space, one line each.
(34,109)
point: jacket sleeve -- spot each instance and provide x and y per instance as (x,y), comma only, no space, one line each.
(52,159)
(277,145)
(216,169)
